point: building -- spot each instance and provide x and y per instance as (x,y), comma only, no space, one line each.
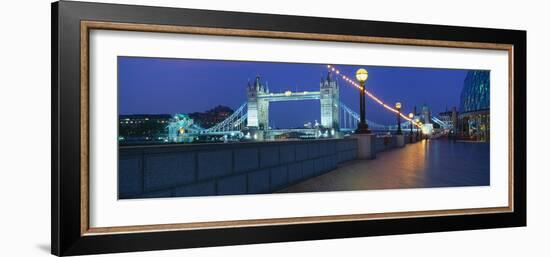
(211,117)
(450,117)
(474,118)
(139,128)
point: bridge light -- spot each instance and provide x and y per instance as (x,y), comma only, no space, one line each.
(288,93)
(425,130)
(411,115)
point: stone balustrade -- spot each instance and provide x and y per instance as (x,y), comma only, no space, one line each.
(226,169)
(233,168)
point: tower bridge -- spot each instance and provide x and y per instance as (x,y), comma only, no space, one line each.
(259,98)
(251,119)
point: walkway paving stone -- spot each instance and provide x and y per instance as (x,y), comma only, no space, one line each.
(429,163)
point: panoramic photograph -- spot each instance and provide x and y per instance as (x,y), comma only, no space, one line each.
(195,127)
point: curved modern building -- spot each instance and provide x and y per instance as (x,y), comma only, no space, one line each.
(474,118)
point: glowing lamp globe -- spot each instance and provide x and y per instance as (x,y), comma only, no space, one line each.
(411,115)
(398,105)
(361,75)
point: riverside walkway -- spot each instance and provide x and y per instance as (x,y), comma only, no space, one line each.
(429,163)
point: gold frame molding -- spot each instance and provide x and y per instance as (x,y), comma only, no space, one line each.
(86,26)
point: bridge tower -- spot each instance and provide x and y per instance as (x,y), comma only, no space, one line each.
(426,114)
(329,96)
(258,108)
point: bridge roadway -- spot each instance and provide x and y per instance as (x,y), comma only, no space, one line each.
(430,163)
(291,96)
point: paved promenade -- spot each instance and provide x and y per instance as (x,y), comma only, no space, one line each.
(430,163)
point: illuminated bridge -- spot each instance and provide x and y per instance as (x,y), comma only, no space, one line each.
(251,119)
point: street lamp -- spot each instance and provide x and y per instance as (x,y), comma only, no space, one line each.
(411,116)
(398,107)
(362,128)
(420,130)
(417,122)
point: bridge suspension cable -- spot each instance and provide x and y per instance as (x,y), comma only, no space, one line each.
(443,124)
(373,97)
(349,113)
(232,123)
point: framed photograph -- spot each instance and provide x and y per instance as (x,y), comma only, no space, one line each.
(177,128)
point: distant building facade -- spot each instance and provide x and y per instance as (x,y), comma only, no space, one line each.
(211,117)
(162,128)
(450,117)
(143,128)
(474,117)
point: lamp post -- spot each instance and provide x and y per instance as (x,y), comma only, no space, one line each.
(417,122)
(420,130)
(362,128)
(411,116)
(398,107)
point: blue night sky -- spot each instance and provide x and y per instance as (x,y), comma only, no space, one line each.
(167,86)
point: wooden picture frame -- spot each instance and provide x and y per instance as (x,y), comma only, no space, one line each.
(71,232)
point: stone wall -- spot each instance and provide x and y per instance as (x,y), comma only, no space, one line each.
(384,143)
(226,169)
